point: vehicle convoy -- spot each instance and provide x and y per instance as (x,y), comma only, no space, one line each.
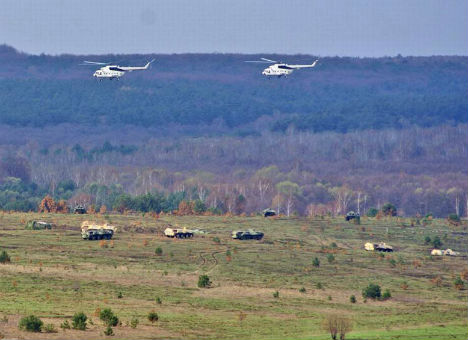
(446,252)
(37,225)
(94,231)
(249,234)
(378,247)
(178,232)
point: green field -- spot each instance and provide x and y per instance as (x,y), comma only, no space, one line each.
(54,273)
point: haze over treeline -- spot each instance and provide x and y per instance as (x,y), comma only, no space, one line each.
(208,128)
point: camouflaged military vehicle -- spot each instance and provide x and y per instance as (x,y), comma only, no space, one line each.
(93,231)
(382,246)
(178,232)
(37,225)
(79,209)
(352,215)
(269,212)
(247,235)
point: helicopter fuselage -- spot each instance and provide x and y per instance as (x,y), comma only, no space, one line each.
(109,72)
(278,70)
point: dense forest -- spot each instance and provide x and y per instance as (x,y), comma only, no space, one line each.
(208,134)
(340,94)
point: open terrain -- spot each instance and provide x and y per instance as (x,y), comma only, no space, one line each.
(54,273)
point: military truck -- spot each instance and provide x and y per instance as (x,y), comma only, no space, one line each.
(352,215)
(178,233)
(93,231)
(378,247)
(38,225)
(269,212)
(79,209)
(247,235)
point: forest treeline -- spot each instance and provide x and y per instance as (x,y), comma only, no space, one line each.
(221,91)
(419,170)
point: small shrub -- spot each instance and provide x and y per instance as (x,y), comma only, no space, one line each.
(79,321)
(316,262)
(119,295)
(158,251)
(153,316)
(427,240)
(319,285)
(392,263)
(329,298)
(333,245)
(108,317)
(65,325)
(302,290)
(108,331)
(436,242)
(453,219)
(404,285)
(134,323)
(49,328)
(158,300)
(30,323)
(276,294)
(458,283)
(4,257)
(352,299)
(330,258)
(386,295)
(372,291)
(204,281)
(372,212)
(216,240)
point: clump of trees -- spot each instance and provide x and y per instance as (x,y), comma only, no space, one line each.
(374,292)
(337,325)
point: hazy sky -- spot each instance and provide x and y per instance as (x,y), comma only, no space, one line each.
(319,27)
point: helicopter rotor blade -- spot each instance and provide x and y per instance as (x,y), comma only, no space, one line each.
(93,63)
(269,60)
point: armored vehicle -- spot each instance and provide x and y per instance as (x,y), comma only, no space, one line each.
(269,212)
(94,231)
(79,209)
(352,215)
(37,225)
(247,235)
(178,233)
(378,247)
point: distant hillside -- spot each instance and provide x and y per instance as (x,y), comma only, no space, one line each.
(221,91)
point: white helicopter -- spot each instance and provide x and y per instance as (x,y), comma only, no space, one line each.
(114,71)
(279,69)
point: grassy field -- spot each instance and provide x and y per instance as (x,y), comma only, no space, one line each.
(54,273)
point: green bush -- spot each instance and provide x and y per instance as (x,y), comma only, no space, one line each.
(108,317)
(30,323)
(372,291)
(372,212)
(319,285)
(108,331)
(302,290)
(49,328)
(388,209)
(153,316)
(427,240)
(436,242)
(352,299)
(158,300)
(158,251)
(276,294)
(65,325)
(386,295)
(454,218)
(330,258)
(316,262)
(119,295)
(4,257)
(79,321)
(134,323)
(204,281)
